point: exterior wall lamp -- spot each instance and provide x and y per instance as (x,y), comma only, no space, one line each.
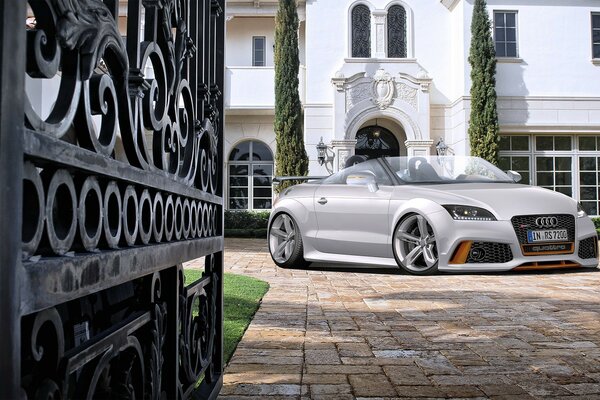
(324,157)
(441,147)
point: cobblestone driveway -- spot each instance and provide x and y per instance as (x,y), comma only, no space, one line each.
(338,335)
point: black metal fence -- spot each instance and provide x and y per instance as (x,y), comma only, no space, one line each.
(111,177)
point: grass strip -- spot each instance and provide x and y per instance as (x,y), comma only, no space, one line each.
(241,298)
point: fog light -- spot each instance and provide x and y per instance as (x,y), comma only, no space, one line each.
(477,254)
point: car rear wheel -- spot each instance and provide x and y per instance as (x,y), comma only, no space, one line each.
(414,246)
(285,242)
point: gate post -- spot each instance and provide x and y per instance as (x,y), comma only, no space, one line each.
(12,67)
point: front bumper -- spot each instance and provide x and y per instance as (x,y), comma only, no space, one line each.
(450,234)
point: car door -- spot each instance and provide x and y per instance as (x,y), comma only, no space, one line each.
(353,220)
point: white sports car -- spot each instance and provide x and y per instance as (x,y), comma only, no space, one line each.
(426,214)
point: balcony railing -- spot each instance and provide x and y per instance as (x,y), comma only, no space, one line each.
(253,88)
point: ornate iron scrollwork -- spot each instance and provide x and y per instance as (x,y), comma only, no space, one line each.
(122,153)
(81,40)
(396,29)
(197,307)
(361,31)
(375,141)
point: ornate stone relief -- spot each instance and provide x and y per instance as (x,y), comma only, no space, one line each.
(342,157)
(407,94)
(383,89)
(357,93)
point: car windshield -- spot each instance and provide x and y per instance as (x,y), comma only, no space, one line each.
(446,169)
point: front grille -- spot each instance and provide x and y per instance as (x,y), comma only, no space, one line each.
(588,248)
(524,223)
(489,252)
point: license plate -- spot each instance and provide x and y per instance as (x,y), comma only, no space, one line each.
(557,235)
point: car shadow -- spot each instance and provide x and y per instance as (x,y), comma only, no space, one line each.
(353,268)
(381,270)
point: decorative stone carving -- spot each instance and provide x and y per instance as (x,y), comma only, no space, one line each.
(379,16)
(342,157)
(418,148)
(424,80)
(357,93)
(407,94)
(342,83)
(383,89)
(343,149)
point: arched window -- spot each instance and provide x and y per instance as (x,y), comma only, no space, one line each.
(361,31)
(375,142)
(250,176)
(396,30)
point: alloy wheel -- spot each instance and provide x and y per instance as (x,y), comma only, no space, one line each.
(414,244)
(282,238)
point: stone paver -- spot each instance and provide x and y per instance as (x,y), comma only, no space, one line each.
(328,334)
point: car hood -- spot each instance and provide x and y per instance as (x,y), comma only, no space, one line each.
(505,200)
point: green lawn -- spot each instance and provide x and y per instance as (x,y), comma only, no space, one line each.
(241,297)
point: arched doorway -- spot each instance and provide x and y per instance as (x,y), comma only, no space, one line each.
(376,141)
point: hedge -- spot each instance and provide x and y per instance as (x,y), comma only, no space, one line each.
(246,224)
(596,222)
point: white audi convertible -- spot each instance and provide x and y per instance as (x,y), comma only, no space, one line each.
(426,214)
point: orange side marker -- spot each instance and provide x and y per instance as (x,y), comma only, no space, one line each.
(461,253)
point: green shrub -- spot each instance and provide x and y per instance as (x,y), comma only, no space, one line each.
(246,221)
(246,233)
(596,221)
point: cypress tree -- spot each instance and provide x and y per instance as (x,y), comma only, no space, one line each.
(483,129)
(290,157)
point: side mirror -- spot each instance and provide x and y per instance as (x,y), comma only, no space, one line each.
(362,179)
(514,175)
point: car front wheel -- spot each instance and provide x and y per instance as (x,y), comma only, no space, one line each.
(414,246)
(285,242)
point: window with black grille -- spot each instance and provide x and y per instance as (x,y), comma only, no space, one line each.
(361,31)
(396,30)
(505,33)
(596,35)
(258,51)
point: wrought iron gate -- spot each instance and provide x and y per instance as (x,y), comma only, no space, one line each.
(111,177)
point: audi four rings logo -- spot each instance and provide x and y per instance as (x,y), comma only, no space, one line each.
(546,222)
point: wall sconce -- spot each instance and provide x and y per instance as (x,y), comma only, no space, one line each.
(324,156)
(441,147)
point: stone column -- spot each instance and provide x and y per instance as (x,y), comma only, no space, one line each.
(343,149)
(378,33)
(418,148)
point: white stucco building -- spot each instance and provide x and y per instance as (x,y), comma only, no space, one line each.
(392,77)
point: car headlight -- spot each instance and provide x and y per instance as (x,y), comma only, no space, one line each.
(580,211)
(469,213)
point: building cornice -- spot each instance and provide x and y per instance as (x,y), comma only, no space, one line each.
(259,8)
(550,128)
(449,4)
(522,98)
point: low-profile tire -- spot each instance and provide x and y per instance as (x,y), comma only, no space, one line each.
(285,242)
(414,246)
